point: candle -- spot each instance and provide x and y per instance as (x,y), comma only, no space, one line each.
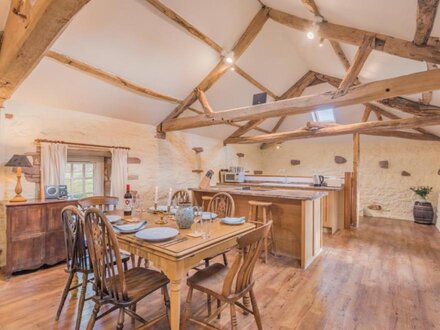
(156,194)
(169,196)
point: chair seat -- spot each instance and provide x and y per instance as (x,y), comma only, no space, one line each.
(141,282)
(210,279)
(125,257)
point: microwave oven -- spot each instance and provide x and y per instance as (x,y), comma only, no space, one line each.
(233,177)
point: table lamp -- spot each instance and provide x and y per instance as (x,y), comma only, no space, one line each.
(18,161)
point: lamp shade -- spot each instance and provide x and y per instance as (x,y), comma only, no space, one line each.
(19,161)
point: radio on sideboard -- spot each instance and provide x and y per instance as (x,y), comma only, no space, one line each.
(55,191)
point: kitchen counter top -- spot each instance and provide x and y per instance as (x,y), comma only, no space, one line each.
(262,192)
(36,201)
(299,186)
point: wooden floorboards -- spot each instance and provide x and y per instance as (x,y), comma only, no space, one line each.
(384,275)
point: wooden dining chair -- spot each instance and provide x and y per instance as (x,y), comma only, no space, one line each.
(102,203)
(77,260)
(105,204)
(230,285)
(181,196)
(222,204)
(114,286)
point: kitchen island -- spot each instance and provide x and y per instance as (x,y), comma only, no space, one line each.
(297,217)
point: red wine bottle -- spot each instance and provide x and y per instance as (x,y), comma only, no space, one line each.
(128,201)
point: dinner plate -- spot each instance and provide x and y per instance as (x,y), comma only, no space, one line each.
(233,221)
(157,234)
(113,218)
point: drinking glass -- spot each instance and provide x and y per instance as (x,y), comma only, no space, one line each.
(206,227)
(197,220)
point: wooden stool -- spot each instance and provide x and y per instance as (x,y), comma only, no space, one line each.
(205,202)
(266,216)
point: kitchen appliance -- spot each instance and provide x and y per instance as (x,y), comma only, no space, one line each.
(55,191)
(318,180)
(235,174)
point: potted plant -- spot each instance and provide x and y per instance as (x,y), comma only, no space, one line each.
(423,210)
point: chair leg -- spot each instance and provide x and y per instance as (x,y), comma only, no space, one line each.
(265,239)
(82,297)
(225,259)
(166,298)
(234,323)
(256,310)
(187,308)
(219,303)
(120,319)
(133,320)
(93,317)
(64,296)
(133,260)
(209,302)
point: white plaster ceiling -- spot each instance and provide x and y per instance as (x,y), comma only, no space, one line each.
(135,41)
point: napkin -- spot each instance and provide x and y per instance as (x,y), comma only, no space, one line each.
(131,226)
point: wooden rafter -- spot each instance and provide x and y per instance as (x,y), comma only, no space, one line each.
(312,7)
(427,96)
(353,36)
(426,12)
(122,82)
(242,44)
(204,102)
(249,78)
(355,68)
(361,128)
(378,90)
(28,33)
(294,91)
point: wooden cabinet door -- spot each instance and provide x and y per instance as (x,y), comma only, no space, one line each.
(25,222)
(26,253)
(55,246)
(53,216)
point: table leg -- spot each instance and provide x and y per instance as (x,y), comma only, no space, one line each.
(175,288)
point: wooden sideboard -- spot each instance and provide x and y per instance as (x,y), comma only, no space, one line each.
(33,234)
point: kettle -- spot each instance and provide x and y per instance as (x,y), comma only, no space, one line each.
(318,180)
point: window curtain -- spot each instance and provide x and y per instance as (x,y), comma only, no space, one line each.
(119,174)
(53,164)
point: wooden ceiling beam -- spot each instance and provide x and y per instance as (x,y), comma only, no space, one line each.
(353,36)
(295,90)
(426,12)
(124,83)
(204,102)
(378,90)
(241,45)
(391,115)
(403,135)
(29,31)
(362,128)
(355,68)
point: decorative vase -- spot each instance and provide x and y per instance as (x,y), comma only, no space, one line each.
(423,212)
(185,216)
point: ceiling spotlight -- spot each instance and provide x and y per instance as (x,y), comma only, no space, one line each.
(278,146)
(314,28)
(228,56)
(321,42)
(232,68)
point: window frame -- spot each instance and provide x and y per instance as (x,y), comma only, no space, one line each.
(315,116)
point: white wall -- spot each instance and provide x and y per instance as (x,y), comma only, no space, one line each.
(382,186)
(166,163)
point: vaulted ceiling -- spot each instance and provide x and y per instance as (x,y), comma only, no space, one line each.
(133,40)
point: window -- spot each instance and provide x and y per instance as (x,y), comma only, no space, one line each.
(80,179)
(324,116)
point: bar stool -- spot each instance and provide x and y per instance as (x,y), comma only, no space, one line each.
(266,216)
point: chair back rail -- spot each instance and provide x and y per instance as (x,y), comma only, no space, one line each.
(105,256)
(102,203)
(222,204)
(181,196)
(241,271)
(73,226)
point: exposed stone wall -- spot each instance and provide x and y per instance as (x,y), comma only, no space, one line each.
(384,186)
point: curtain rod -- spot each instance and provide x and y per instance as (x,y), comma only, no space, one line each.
(80,144)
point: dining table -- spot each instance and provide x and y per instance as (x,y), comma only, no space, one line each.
(176,257)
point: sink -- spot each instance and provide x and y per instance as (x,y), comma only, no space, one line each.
(251,188)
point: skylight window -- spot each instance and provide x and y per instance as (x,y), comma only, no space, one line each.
(324,116)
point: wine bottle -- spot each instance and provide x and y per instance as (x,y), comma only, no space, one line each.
(128,201)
